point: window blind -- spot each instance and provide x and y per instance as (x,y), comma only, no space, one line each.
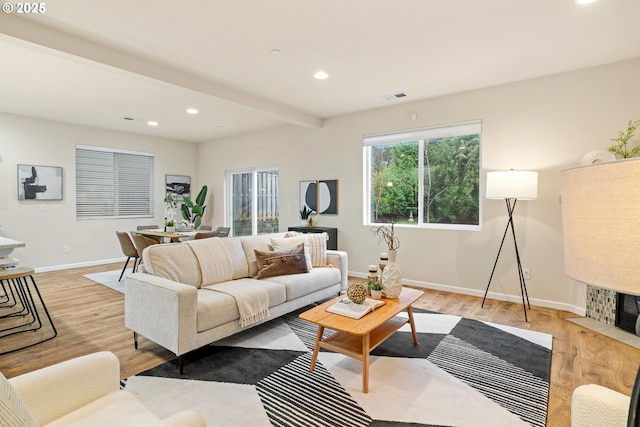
(113,183)
(458,129)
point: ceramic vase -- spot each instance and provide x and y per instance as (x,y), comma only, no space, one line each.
(391,277)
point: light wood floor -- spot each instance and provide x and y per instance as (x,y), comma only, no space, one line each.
(90,317)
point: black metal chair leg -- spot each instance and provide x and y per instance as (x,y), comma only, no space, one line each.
(124,268)
(181,364)
(135,340)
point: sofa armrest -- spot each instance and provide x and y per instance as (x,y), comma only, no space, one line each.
(187,418)
(56,390)
(340,259)
(596,406)
(162,310)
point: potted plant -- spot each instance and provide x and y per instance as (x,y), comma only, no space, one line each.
(192,212)
(620,148)
(170,226)
(305,216)
(374,287)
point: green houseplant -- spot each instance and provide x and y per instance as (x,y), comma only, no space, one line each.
(620,148)
(374,286)
(192,212)
(305,216)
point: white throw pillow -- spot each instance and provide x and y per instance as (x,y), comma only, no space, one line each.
(280,243)
(318,248)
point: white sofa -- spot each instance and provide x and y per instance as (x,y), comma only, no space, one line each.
(178,299)
(84,391)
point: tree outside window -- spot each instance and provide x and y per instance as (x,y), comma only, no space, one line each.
(432,180)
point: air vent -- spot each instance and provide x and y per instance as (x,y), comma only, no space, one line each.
(394,96)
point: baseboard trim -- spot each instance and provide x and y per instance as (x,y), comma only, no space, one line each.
(77,265)
(580,311)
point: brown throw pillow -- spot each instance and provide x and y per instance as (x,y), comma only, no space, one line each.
(278,263)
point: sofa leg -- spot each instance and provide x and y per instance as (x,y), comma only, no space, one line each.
(135,340)
(181,364)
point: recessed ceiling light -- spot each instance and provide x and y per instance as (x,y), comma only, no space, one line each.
(321,75)
(585,1)
(275,51)
(192,110)
(151,123)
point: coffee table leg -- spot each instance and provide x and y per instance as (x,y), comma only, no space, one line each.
(413,326)
(365,363)
(316,347)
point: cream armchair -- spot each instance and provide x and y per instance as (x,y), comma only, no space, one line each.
(79,392)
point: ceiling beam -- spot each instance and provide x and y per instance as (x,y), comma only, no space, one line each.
(85,50)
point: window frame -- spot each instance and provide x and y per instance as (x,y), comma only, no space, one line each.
(120,203)
(420,136)
(228,195)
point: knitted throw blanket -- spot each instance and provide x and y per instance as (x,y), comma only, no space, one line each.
(252,301)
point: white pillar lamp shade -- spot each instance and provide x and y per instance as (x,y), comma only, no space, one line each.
(511,184)
(601,224)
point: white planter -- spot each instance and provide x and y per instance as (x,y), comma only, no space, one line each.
(304,222)
(376,294)
(391,277)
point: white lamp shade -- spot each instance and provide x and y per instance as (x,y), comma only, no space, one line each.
(601,224)
(522,185)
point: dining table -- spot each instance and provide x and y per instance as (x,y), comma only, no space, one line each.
(160,235)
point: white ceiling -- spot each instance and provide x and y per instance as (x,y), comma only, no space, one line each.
(94,62)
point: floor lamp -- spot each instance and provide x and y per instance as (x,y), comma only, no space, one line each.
(512,186)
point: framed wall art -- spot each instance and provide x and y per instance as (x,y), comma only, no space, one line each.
(320,196)
(308,195)
(328,197)
(178,184)
(39,182)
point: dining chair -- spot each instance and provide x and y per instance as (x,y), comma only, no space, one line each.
(206,234)
(140,242)
(224,231)
(129,250)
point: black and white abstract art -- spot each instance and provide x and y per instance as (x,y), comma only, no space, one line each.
(39,182)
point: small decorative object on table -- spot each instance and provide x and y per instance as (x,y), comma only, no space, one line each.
(357,292)
(170,226)
(391,276)
(374,286)
(305,216)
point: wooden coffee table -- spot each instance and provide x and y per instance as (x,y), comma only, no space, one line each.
(357,337)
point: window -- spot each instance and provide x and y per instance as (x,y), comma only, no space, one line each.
(251,203)
(113,183)
(425,177)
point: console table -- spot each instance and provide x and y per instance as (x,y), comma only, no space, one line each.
(332,243)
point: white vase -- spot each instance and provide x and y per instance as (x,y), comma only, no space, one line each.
(391,277)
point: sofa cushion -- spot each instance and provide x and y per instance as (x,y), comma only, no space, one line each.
(215,262)
(317,243)
(279,243)
(261,242)
(217,308)
(277,263)
(14,411)
(238,259)
(175,261)
(114,409)
(298,285)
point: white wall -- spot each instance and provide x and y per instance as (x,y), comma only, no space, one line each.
(545,124)
(40,142)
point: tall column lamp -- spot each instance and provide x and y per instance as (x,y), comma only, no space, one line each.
(512,186)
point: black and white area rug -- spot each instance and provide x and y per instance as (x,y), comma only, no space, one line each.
(462,373)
